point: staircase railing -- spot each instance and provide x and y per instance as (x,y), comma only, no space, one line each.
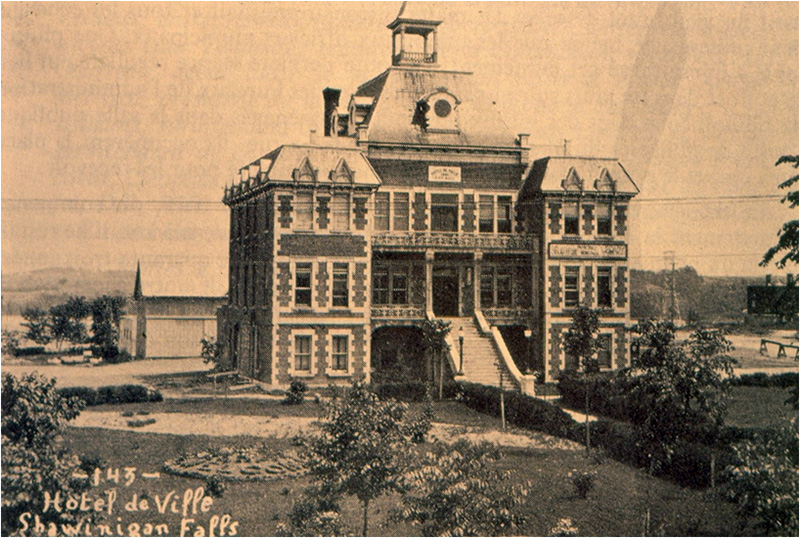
(525,383)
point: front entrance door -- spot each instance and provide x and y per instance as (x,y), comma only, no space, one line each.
(445,291)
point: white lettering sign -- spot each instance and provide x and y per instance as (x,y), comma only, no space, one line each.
(444,174)
(588,251)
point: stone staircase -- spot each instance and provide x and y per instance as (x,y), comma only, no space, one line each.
(480,355)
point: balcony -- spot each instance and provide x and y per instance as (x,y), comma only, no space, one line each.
(414,58)
(400,241)
(518,314)
(398,313)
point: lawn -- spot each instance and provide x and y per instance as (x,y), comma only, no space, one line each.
(616,507)
(759,407)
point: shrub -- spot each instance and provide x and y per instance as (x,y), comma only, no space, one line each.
(215,487)
(455,492)
(296,393)
(87,394)
(10,342)
(29,351)
(115,356)
(412,391)
(761,379)
(606,392)
(582,482)
(141,422)
(33,459)
(521,410)
(90,462)
(116,394)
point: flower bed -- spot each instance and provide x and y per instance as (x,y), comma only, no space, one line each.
(250,464)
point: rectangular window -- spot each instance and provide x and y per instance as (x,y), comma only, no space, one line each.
(341,212)
(603,219)
(303,211)
(400,285)
(400,211)
(571,222)
(486,214)
(487,286)
(604,353)
(503,286)
(302,353)
(302,285)
(340,288)
(444,212)
(381,211)
(339,355)
(504,214)
(380,285)
(571,293)
(604,287)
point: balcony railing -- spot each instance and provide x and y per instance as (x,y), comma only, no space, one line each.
(506,242)
(414,58)
(398,312)
(507,313)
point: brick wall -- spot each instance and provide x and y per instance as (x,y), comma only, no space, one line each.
(621,342)
(554,217)
(322,285)
(322,245)
(554,362)
(321,352)
(359,354)
(468,214)
(622,286)
(360,285)
(283,354)
(588,219)
(323,212)
(284,284)
(360,210)
(588,286)
(420,207)
(285,211)
(554,280)
(620,219)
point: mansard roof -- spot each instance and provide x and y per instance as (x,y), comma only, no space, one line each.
(595,175)
(296,164)
(397,93)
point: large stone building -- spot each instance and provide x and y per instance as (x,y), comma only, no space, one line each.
(419,203)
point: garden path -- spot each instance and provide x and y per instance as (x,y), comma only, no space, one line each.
(287,427)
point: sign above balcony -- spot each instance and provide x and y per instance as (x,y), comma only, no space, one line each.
(587,251)
(444,174)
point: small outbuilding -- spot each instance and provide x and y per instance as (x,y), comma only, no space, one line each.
(174,306)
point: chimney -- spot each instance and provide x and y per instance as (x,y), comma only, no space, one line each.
(789,280)
(331,98)
(768,280)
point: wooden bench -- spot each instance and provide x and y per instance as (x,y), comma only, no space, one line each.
(781,348)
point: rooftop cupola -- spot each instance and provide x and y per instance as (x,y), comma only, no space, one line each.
(414,36)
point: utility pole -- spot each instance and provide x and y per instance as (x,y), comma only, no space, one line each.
(673,311)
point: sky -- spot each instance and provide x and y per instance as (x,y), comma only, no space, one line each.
(123,122)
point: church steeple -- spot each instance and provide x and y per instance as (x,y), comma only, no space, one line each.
(414,37)
(137,286)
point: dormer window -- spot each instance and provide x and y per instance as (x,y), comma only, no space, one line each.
(439,110)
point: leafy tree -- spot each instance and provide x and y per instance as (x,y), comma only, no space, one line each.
(212,352)
(676,389)
(434,332)
(10,342)
(762,480)
(33,417)
(363,449)
(581,341)
(788,234)
(455,492)
(37,325)
(106,314)
(66,321)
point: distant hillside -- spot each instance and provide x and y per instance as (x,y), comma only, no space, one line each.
(708,299)
(46,287)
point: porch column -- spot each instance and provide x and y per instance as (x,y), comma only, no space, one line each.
(429,281)
(476,279)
